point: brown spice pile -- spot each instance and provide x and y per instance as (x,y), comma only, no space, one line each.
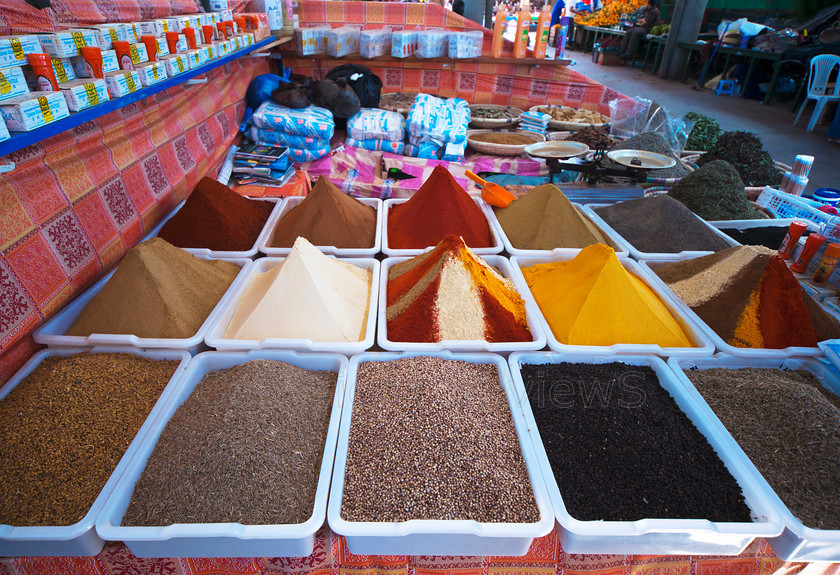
(245,447)
(789,427)
(445,445)
(64,429)
(506,138)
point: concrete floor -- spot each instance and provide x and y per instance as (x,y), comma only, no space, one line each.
(773,123)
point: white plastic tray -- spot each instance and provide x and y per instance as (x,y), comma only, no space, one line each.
(52,331)
(589,209)
(720,345)
(224,539)
(679,310)
(797,542)
(620,247)
(294,202)
(503,266)
(745,224)
(80,539)
(216,331)
(496,248)
(651,536)
(225,254)
(429,537)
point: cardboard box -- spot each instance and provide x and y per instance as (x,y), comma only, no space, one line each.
(222,48)
(210,51)
(4,131)
(63,69)
(67,43)
(13,49)
(109,64)
(33,110)
(151,73)
(132,32)
(12,83)
(162,47)
(84,93)
(122,82)
(154,28)
(175,64)
(107,34)
(196,58)
(138,53)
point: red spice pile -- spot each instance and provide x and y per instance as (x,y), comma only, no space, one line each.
(217,218)
(439,207)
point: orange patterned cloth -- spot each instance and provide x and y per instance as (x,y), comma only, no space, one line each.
(331,557)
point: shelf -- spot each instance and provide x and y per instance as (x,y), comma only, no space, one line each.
(415,59)
(278,41)
(20,140)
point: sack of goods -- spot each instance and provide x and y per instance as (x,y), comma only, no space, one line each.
(438,128)
(377,130)
(305,131)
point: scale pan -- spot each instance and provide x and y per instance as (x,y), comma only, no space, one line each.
(556,150)
(641,159)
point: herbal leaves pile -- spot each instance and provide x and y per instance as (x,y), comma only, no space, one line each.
(747,155)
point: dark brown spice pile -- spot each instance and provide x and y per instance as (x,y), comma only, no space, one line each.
(434,439)
(592,137)
(64,429)
(789,427)
(245,447)
(621,449)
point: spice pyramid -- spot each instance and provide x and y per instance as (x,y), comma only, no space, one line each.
(308,296)
(750,298)
(544,219)
(449,293)
(157,291)
(594,300)
(715,192)
(439,207)
(327,217)
(217,218)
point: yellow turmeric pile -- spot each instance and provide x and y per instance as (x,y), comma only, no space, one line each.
(594,300)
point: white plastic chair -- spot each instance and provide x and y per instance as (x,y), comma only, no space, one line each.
(821,67)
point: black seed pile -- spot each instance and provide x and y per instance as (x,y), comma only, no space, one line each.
(767,236)
(245,447)
(432,438)
(621,449)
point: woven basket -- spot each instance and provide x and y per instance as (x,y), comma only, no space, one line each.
(501,149)
(494,122)
(562,125)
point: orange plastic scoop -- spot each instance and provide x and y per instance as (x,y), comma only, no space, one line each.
(493,194)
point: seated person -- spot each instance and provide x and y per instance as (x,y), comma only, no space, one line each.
(646,18)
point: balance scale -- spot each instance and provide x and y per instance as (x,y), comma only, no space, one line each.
(561,156)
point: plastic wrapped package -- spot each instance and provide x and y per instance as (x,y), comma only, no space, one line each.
(376,124)
(431,43)
(276,138)
(343,41)
(304,155)
(427,150)
(403,43)
(376,145)
(375,43)
(310,121)
(466,44)
(437,120)
(311,40)
(454,152)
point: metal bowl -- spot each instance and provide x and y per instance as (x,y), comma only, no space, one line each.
(556,150)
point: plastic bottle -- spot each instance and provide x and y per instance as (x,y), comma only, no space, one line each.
(191,41)
(523,25)
(151,46)
(541,42)
(498,32)
(207,32)
(827,263)
(812,244)
(172,41)
(93,61)
(795,231)
(223,31)
(44,73)
(123,50)
(562,33)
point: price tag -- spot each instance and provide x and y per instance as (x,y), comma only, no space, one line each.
(135,56)
(130,81)
(78,39)
(45,108)
(90,90)
(60,72)
(17,49)
(5,85)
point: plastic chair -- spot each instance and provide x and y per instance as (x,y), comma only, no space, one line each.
(821,68)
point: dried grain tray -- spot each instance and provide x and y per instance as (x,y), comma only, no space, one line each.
(431,537)
(224,539)
(216,331)
(563,125)
(295,201)
(650,536)
(502,149)
(752,352)
(80,539)
(494,122)
(797,542)
(503,266)
(52,332)
(496,248)
(679,310)
(614,242)
(225,254)
(589,209)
